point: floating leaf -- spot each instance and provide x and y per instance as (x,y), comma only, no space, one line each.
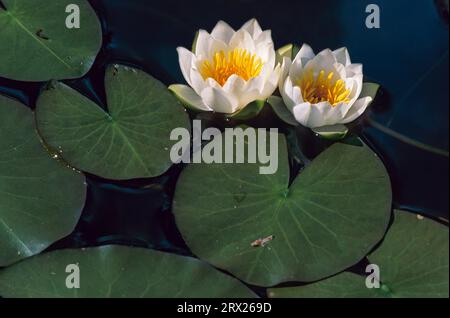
(281,110)
(38,46)
(413,262)
(413,258)
(131,140)
(40,198)
(118,272)
(331,216)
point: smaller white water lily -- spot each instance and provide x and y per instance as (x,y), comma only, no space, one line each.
(324,89)
(228,69)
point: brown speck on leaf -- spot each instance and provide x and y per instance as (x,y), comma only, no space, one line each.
(40,34)
(262,241)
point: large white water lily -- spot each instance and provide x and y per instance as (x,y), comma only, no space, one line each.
(228,69)
(324,89)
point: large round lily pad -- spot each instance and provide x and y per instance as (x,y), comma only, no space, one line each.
(130,140)
(331,216)
(37,45)
(40,198)
(413,262)
(118,272)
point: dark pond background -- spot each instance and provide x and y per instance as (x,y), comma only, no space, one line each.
(407,126)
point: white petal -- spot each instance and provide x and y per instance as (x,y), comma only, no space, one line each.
(223,32)
(253,28)
(317,115)
(242,39)
(333,114)
(355,85)
(186,59)
(325,60)
(271,83)
(357,109)
(302,113)
(287,92)
(297,95)
(207,45)
(264,38)
(244,92)
(342,56)
(266,71)
(235,85)
(320,115)
(354,69)
(188,97)
(210,82)
(267,53)
(285,67)
(197,81)
(203,44)
(305,54)
(218,100)
(257,88)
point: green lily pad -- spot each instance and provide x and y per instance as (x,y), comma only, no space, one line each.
(130,140)
(331,216)
(118,272)
(332,132)
(37,45)
(413,262)
(40,198)
(250,111)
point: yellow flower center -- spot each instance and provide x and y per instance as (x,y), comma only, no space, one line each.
(238,62)
(323,88)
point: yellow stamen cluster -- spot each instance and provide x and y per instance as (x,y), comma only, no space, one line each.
(323,88)
(238,61)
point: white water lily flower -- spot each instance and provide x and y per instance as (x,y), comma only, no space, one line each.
(323,89)
(228,69)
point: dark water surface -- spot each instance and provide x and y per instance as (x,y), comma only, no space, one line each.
(408,126)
